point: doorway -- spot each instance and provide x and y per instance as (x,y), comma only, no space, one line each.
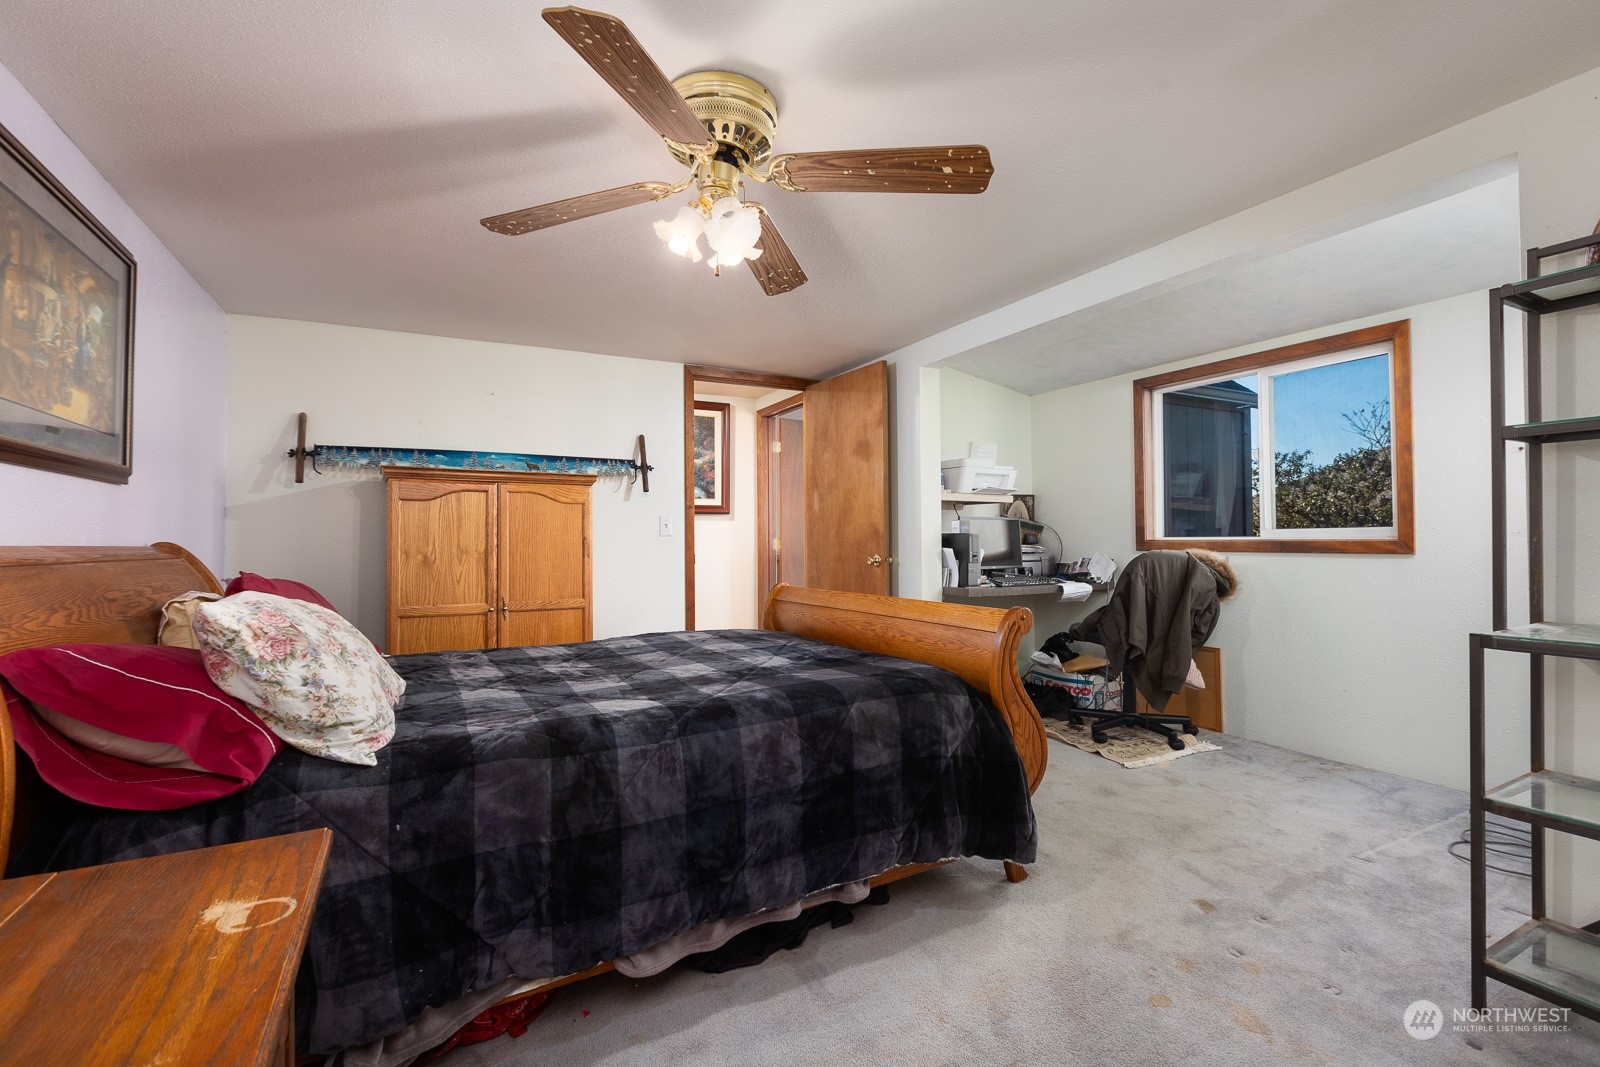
(724,557)
(780,476)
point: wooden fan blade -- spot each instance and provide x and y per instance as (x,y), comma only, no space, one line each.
(544,216)
(611,49)
(963,168)
(776,268)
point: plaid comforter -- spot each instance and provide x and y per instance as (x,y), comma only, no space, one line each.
(541,809)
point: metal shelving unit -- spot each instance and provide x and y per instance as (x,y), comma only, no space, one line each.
(1547,959)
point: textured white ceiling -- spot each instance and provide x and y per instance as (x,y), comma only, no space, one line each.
(329,161)
(1452,245)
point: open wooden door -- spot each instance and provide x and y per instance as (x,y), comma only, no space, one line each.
(847,482)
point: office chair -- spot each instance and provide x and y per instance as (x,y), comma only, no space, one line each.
(1164,606)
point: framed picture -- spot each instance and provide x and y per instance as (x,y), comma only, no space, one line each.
(711,495)
(66,328)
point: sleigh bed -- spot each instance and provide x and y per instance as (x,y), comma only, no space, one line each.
(963,791)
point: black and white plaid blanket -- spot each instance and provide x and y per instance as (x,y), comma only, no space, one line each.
(542,809)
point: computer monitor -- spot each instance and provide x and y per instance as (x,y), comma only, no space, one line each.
(1000,537)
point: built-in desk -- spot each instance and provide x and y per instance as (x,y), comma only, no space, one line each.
(983,592)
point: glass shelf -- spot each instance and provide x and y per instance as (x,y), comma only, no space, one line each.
(1581,429)
(1556,287)
(1582,638)
(1551,957)
(1552,796)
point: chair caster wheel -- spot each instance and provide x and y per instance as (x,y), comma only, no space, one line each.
(1099,738)
(1192,731)
(1175,743)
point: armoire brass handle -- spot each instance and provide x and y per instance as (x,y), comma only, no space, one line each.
(874,560)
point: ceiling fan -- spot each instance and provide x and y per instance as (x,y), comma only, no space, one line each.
(721,125)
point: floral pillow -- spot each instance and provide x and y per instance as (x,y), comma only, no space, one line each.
(314,679)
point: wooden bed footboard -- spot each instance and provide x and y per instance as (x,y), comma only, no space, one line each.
(978,644)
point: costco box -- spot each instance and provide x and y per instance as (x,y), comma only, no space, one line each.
(1089,689)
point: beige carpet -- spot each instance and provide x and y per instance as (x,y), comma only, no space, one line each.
(1127,745)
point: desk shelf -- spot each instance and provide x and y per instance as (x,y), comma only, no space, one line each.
(974,498)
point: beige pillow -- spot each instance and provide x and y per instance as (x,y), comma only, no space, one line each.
(177,619)
(97,739)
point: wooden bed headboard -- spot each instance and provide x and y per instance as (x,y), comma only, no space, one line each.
(71,595)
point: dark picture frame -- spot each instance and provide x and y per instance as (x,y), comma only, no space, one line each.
(67,291)
(712,489)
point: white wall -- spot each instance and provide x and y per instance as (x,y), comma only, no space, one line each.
(1358,658)
(383,389)
(179,388)
(973,410)
(725,560)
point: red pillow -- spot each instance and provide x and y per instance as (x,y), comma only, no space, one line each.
(255,583)
(152,693)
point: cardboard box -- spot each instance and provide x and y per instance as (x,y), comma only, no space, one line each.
(1088,689)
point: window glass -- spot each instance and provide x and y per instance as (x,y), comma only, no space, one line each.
(1209,447)
(1331,438)
(1300,449)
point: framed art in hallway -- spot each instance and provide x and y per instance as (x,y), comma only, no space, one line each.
(711,496)
(66,328)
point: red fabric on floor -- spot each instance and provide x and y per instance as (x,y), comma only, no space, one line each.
(512,1018)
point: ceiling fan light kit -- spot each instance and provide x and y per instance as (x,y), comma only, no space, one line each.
(722,125)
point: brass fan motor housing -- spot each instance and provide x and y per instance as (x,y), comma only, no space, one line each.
(739,112)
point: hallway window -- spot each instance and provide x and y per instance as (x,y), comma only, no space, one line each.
(1298,449)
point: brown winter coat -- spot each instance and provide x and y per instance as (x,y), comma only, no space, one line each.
(1164,606)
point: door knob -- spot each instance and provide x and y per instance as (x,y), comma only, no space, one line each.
(874,560)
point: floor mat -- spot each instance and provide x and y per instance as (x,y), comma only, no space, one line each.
(1127,745)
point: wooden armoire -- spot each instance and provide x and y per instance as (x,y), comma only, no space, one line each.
(485,559)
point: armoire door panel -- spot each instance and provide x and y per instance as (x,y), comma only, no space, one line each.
(443,548)
(441,566)
(546,626)
(440,633)
(544,563)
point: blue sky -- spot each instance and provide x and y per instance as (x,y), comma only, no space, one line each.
(1309,405)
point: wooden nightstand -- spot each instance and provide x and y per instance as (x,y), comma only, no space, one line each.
(185,958)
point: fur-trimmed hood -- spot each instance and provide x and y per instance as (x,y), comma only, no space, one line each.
(1227,580)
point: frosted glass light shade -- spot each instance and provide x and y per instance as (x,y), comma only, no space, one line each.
(682,233)
(732,231)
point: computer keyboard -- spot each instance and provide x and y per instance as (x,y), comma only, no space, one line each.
(1021,579)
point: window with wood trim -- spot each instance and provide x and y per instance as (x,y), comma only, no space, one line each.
(1305,448)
